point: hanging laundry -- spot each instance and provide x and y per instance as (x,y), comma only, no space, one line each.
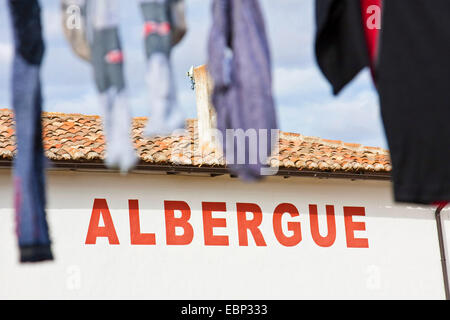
(107,60)
(340,47)
(166,115)
(240,66)
(164,27)
(29,164)
(412,80)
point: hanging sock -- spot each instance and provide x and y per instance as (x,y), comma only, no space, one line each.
(107,61)
(240,66)
(166,115)
(29,164)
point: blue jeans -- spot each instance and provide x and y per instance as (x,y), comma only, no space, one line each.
(29,164)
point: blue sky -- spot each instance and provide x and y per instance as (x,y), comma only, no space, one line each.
(304,101)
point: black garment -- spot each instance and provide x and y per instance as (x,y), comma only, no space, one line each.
(341,49)
(413,80)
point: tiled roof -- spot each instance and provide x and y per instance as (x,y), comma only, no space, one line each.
(79,138)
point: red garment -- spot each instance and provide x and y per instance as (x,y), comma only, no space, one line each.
(371,29)
(441,204)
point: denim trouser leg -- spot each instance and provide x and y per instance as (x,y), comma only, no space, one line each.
(29,164)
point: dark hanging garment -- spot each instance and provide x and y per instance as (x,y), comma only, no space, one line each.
(340,46)
(29,164)
(413,80)
(239,64)
(414,87)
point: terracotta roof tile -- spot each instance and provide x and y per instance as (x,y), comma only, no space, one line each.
(77,137)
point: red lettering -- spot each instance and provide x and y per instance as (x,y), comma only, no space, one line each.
(209,223)
(182,222)
(138,238)
(95,231)
(327,241)
(295,227)
(351,227)
(245,225)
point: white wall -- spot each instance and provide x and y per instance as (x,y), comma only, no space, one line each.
(402,260)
